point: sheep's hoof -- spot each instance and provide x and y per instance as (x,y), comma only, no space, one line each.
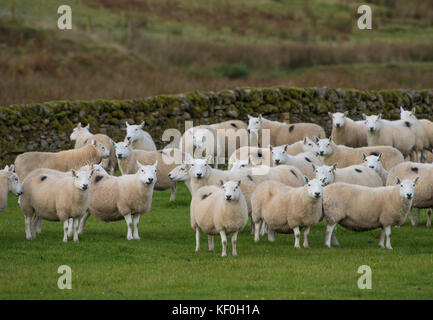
(381,246)
(306,246)
(129,238)
(235,254)
(428,225)
(297,246)
(224,255)
(328,245)
(212,251)
(137,237)
(389,248)
(197,250)
(65,240)
(76,240)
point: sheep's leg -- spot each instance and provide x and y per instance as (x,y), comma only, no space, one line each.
(263,229)
(253,229)
(382,238)
(39,226)
(271,235)
(128,220)
(306,232)
(418,215)
(412,220)
(297,236)
(334,240)
(173,192)
(224,243)
(65,230)
(329,231)
(428,218)
(76,221)
(27,221)
(257,231)
(136,222)
(83,223)
(411,156)
(388,237)
(234,241)
(419,156)
(33,225)
(71,227)
(197,239)
(210,243)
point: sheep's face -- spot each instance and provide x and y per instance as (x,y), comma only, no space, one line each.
(82,178)
(77,130)
(98,168)
(201,137)
(372,123)
(199,168)
(372,161)
(407,114)
(325,173)
(231,190)
(254,124)
(279,155)
(14,184)
(338,119)
(324,146)
(102,150)
(147,174)
(310,146)
(239,164)
(133,131)
(407,187)
(180,173)
(123,150)
(314,188)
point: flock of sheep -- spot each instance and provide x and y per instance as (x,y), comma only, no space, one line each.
(359,178)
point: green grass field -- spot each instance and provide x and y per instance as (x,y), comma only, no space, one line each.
(163,265)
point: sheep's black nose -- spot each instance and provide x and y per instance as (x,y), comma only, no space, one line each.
(169,175)
(277,161)
(322,153)
(372,167)
(150,179)
(317,194)
(129,138)
(228,197)
(198,175)
(20,193)
(338,125)
(371,129)
(409,196)
(85,186)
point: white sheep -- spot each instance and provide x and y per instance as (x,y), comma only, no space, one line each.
(219,211)
(303,161)
(167,159)
(361,208)
(9,182)
(331,153)
(61,161)
(355,174)
(55,196)
(282,133)
(285,209)
(258,156)
(181,173)
(347,132)
(423,198)
(428,138)
(417,129)
(138,138)
(374,162)
(397,134)
(125,197)
(82,136)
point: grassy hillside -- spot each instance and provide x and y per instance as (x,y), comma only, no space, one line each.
(163,265)
(137,48)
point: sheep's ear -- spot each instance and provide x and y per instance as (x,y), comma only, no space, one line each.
(413,110)
(139,165)
(379,157)
(334,166)
(316,138)
(127,124)
(209,158)
(330,139)
(74,173)
(270,148)
(285,147)
(260,117)
(142,124)
(155,164)
(239,182)
(221,183)
(249,117)
(364,116)
(306,180)
(87,127)
(92,172)
(305,140)
(379,116)
(6,168)
(93,142)
(11,168)
(416,180)
(398,181)
(79,125)
(346,113)
(330,114)
(401,109)
(364,157)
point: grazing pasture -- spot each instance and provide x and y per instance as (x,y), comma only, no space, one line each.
(163,265)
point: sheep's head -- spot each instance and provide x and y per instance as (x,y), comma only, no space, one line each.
(279,154)
(254,124)
(199,167)
(407,114)
(14,184)
(407,187)
(310,146)
(202,138)
(101,149)
(123,149)
(146,173)
(240,164)
(98,168)
(324,146)
(180,173)
(372,161)
(82,178)
(77,129)
(133,131)
(231,189)
(338,119)
(372,122)
(314,188)
(326,174)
